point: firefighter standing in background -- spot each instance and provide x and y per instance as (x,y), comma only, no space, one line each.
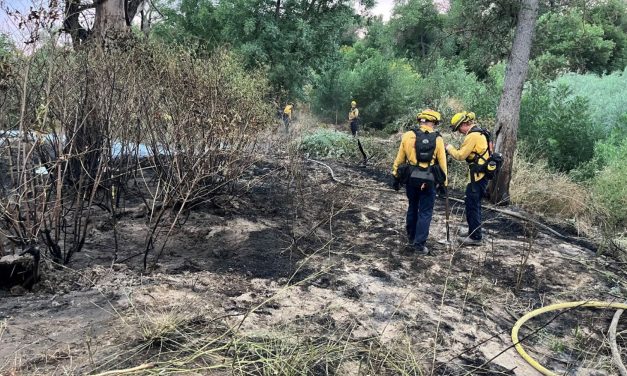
(287,115)
(353,118)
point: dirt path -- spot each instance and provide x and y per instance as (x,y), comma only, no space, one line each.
(310,260)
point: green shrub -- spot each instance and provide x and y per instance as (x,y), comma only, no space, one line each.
(449,88)
(328,143)
(383,88)
(558,126)
(331,144)
(610,185)
(606,95)
(390,92)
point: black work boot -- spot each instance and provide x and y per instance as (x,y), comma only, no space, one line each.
(422,251)
(467,240)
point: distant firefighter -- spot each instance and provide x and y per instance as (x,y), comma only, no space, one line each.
(353,118)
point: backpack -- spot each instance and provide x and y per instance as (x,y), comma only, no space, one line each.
(493,162)
(425,147)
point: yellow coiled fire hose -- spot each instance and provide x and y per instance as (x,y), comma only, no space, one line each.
(549,308)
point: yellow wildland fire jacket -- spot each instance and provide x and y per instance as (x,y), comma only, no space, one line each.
(353,114)
(474,144)
(407,152)
(288,111)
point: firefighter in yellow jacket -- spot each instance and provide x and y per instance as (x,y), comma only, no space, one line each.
(287,115)
(421,164)
(474,150)
(353,118)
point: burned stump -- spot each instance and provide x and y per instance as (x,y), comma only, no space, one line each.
(19,270)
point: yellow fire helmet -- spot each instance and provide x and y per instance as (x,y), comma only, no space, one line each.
(429,115)
(353,103)
(461,117)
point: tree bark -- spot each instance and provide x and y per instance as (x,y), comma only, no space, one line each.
(132,7)
(110,18)
(146,21)
(277,8)
(71,23)
(111,15)
(508,112)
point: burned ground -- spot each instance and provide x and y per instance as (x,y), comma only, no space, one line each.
(306,276)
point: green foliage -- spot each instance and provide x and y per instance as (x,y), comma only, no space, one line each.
(449,88)
(391,92)
(581,44)
(286,42)
(611,15)
(289,43)
(328,143)
(558,126)
(416,26)
(610,185)
(610,148)
(379,37)
(480,32)
(383,88)
(191,23)
(6,51)
(6,47)
(606,95)
(330,96)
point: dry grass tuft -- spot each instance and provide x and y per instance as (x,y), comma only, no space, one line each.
(159,328)
(535,188)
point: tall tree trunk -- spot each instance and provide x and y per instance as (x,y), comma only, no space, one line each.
(110,18)
(132,8)
(508,113)
(146,21)
(277,8)
(71,22)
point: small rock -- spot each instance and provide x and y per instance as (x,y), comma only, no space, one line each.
(120,267)
(123,302)
(18,290)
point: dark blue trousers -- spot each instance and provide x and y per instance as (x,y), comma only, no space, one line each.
(419,214)
(354,127)
(474,193)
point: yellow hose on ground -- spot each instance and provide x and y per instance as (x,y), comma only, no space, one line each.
(549,308)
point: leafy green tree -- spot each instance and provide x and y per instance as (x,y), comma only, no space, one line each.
(479,32)
(384,88)
(289,42)
(379,36)
(331,90)
(190,22)
(611,16)
(580,45)
(416,26)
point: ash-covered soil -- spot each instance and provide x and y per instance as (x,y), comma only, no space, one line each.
(301,275)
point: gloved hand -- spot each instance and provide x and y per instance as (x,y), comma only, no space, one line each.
(396,183)
(441,190)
